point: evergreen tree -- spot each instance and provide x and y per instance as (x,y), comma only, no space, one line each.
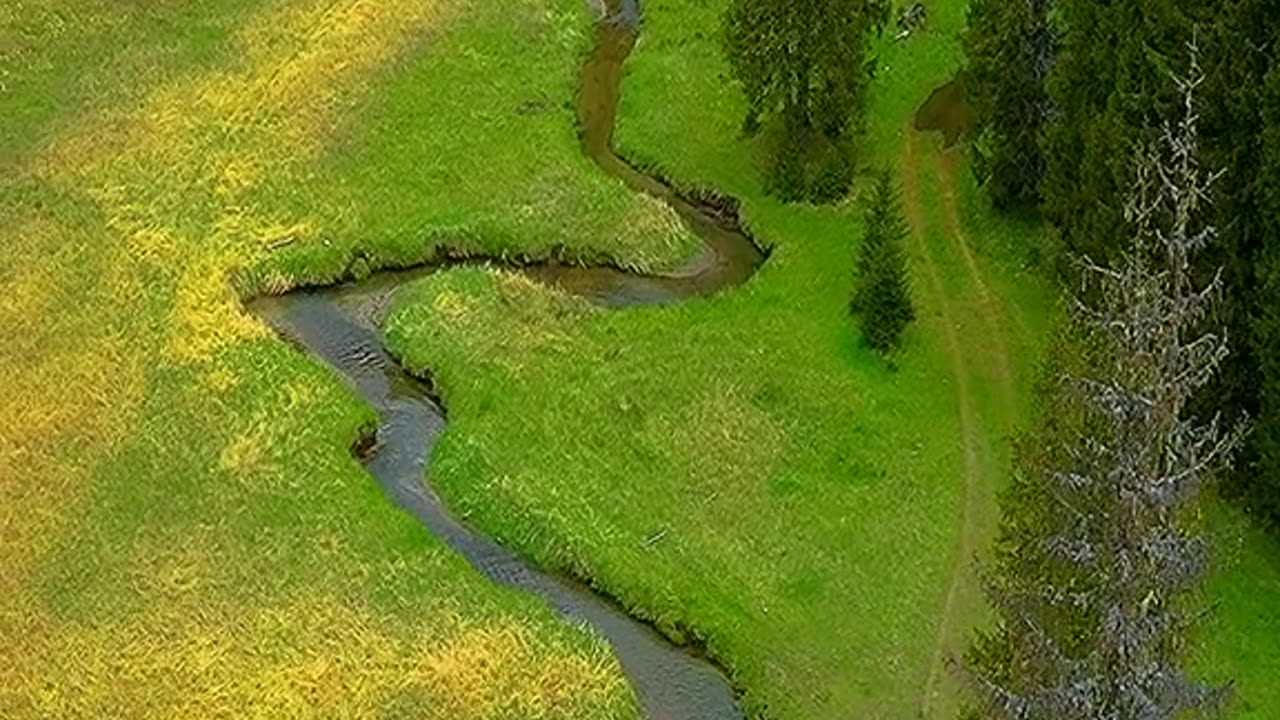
(881,292)
(1239,46)
(1264,478)
(1109,93)
(1106,80)
(786,179)
(1089,582)
(1030,513)
(1008,49)
(805,65)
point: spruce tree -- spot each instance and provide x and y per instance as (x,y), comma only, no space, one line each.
(1239,45)
(1108,89)
(1008,48)
(881,291)
(1264,478)
(1090,587)
(1086,143)
(1106,81)
(803,65)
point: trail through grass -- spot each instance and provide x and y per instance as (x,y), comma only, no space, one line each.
(959,604)
(994,332)
(739,469)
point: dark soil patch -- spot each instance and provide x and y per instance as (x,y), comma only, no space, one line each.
(946,110)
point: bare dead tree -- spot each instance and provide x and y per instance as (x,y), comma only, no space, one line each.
(1098,632)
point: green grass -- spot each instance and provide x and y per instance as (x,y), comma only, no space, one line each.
(472,144)
(808,499)
(1240,641)
(185,532)
(739,469)
(770,481)
(70,56)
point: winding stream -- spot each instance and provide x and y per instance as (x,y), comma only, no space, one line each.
(341,326)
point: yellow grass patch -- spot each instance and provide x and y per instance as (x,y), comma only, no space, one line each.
(27,295)
(518,317)
(248,449)
(486,669)
(337,41)
(649,218)
(220,379)
(72,395)
(206,317)
(70,381)
(452,305)
(182,185)
(63,413)
(26,25)
(248,455)
(169,177)
(225,132)
(299,68)
(308,656)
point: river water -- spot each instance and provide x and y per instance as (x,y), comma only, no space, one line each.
(341,325)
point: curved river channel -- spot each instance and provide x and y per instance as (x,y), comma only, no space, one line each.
(341,326)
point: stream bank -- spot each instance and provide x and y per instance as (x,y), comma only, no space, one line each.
(341,326)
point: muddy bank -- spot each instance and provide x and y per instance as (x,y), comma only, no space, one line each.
(341,325)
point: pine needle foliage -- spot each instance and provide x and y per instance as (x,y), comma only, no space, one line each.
(1262,480)
(1008,51)
(882,293)
(805,65)
(1092,594)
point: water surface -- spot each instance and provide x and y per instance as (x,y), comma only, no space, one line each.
(341,326)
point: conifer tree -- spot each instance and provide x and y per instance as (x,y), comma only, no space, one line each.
(1109,91)
(1105,84)
(803,64)
(1008,48)
(1242,129)
(1090,589)
(881,292)
(1264,479)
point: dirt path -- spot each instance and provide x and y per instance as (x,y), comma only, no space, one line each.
(992,318)
(966,543)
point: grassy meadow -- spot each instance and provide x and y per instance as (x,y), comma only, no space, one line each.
(740,469)
(184,531)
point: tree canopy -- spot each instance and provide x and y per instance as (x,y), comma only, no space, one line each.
(804,64)
(1262,480)
(1105,93)
(804,60)
(882,293)
(1008,49)
(1092,599)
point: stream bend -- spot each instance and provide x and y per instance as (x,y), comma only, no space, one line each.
(341,326)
